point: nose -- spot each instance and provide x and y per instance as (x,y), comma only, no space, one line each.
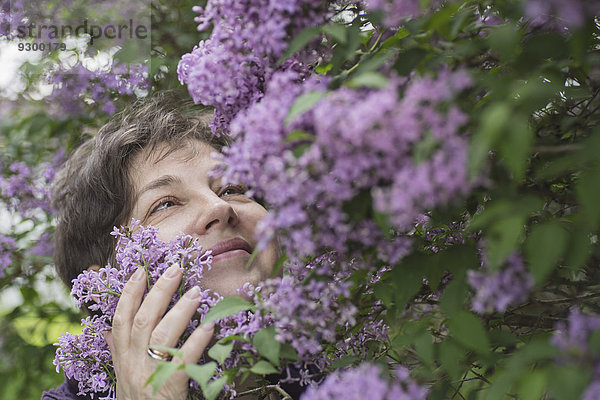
(216,213)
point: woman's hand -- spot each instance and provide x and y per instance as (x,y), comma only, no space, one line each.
(137,325)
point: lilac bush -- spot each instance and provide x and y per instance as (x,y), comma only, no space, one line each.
(378,150)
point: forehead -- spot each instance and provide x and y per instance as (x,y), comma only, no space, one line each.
(152,162)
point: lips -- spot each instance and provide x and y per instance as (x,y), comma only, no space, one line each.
(231,245)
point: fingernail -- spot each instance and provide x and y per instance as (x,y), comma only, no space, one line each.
(138,274)
(193,293)
(208,326)
(172,271)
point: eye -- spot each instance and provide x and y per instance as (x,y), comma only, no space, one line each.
(163,204)
(230,190)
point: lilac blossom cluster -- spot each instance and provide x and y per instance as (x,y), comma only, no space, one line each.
(372,329)
(25,191)
(560,14)
(572,339)
(367,380)
(304,306)
(86,357)
(495,291)
(76,86)
(398,149)
(228,70)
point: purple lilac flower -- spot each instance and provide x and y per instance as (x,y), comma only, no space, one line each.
(497,290)
(572,337)
(303,311)
(366,379)
(560,14)
(377,150)
(229,69)
(592,392)
(7,247)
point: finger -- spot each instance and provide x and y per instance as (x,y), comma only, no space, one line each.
(195,345)
(171,327)
(128,304)
(154,306)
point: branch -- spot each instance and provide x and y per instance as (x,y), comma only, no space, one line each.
(568,299)
(265,390)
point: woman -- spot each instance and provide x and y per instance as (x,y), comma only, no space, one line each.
(153,163)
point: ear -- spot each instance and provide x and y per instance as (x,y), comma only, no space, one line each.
(93,267)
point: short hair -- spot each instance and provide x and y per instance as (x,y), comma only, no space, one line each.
(93,192)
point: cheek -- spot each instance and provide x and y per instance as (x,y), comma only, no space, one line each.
(172,227)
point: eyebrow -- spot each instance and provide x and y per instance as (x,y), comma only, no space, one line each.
(165,180)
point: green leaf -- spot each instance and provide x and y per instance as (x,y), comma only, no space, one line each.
(520,361)
(201,373)
(568,382)
(505,39)
(453,298)
(303,103)
(343,362)
(545,244)
(287,352)
(212,389)
(493,120)
(468,330)
(220,351)
(298,135)
(532,385)
(226,307)
(299,42)
(516,144)
(502,239)
(588,193)
(264,341)
(163,371)
(263,368)
(408,60)
(424,348)
(450,356)
(369,79)
(335,31)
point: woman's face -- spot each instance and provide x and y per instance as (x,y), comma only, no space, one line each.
(176,195)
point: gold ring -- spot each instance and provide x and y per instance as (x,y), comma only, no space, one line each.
(159,355)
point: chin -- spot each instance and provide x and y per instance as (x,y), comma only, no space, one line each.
(228,282)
